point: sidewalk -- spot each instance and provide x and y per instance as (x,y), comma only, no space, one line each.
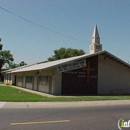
(34,92)
(29,105)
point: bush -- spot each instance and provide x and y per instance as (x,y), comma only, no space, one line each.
(7,83)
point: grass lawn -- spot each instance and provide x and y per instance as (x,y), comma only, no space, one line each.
(9,94)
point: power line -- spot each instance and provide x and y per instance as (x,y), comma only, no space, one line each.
(41,25)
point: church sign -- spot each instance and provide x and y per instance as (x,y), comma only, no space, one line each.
(71,66)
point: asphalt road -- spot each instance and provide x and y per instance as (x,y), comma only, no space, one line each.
(83,118)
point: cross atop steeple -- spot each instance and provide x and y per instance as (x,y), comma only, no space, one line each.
(95,45)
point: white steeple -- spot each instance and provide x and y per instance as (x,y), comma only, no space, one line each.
(95,45)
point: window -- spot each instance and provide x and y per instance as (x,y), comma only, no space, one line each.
(5,76)
(29,79)
(19,78)
(44,80)
(9,76)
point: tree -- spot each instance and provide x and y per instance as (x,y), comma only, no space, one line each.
(22,63)
(65,53)
(5,57)
(13,65)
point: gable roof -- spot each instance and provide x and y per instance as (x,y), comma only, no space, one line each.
(52,64)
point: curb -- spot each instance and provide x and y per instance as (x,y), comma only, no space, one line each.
(30,105)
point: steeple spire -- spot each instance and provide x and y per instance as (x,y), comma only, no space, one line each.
(95,45)
(95,37)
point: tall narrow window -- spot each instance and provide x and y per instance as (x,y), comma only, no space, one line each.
(44,80)
(20,78)
(29,79)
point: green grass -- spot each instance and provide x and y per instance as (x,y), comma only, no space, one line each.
(9,94)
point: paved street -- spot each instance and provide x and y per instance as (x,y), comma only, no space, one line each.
(80,118)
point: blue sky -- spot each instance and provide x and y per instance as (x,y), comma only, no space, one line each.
(74,18)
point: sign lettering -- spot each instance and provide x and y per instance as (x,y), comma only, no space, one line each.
(71,66)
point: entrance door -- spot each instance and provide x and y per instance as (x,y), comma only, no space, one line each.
(74,83)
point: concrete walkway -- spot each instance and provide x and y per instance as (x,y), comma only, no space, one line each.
(34,92)
(28,105)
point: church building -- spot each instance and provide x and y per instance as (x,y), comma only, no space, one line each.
(97,73)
